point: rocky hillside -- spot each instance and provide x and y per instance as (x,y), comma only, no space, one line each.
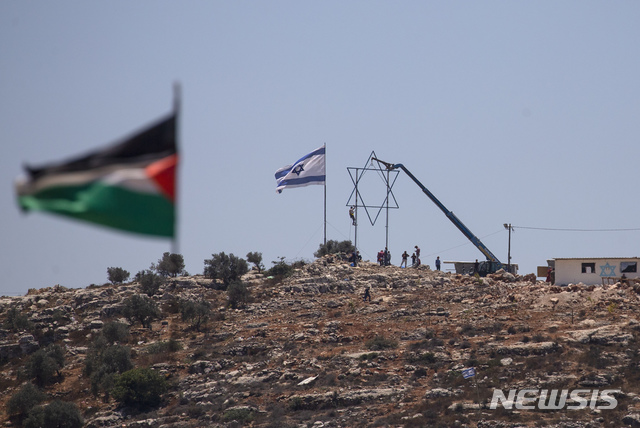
(307,351)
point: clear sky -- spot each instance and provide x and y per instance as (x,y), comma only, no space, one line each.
(509,112)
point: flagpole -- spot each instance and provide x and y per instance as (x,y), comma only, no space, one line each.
(176,111)
(325,194)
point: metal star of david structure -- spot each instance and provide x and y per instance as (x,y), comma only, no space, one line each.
(387,177)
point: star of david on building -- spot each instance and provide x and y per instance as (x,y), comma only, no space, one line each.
(607,270)
(298,169)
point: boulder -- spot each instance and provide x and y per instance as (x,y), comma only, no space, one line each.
(605,335)
(28,344)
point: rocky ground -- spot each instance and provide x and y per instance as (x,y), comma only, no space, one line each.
(309,352)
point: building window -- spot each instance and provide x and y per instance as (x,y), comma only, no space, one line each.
(628,267)
(588,267)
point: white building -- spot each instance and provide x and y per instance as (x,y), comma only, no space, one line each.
(591,271)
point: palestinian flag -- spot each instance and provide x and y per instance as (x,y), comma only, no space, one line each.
(129,186)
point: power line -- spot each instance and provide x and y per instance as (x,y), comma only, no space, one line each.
(463,244)
(575,230)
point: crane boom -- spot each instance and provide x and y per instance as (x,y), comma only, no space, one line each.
(495,263)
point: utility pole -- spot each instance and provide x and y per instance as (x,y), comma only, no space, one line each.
(509,228)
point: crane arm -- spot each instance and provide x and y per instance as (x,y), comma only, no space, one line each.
(450,215)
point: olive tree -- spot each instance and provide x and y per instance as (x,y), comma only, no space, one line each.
(140,387)
(150,282)
(170,264)
(117,275)
(45,364)
(227,268)
(141,308)
(333,247)
(256,259)
(196,312)
(55,414)
(26,398)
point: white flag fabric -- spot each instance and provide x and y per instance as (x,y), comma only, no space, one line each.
(470,372)
(309,169)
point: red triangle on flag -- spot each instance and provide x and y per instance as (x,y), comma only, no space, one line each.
(163,173)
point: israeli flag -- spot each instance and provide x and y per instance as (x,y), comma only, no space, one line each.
(309,169)
(470,372)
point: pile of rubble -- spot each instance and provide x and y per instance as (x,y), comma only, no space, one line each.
(308,351)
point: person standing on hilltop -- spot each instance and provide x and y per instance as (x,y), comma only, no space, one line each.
(353,259)
(418,256)
(405,257)
(438,263)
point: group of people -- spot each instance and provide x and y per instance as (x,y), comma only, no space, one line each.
(415,258)
(384,256)
(384,259)
(355,258)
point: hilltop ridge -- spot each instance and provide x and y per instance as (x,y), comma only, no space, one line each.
(307,351)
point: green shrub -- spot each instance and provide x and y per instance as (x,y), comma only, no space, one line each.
(238,294)
(109,359)
(227,268)
(593,357)
(141,308)
(24,400)
(117,275)
(17,321)
(197,313)
(419,373)
(380,343)
(45,364)
(241,414)
(164,346)
(150,282)
(60,317)
(170,264)
(57,414)
(334,247)
(256,259)
(296,403)
(369,356)
(495,327)
(141,388)
(280,269)
(115,332)
(468,330)
(103,363)
(494,362)
(422,357)
(540,338)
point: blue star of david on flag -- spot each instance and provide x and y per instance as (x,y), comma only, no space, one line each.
(298,169)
